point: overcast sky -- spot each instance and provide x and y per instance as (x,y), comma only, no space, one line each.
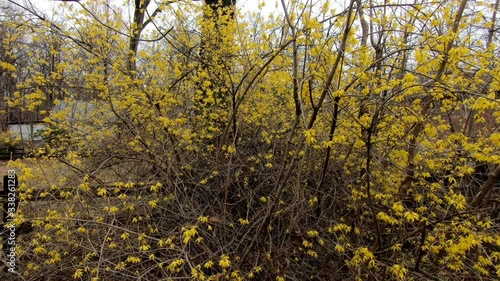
(46,6)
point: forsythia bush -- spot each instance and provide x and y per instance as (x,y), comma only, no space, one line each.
(331,140)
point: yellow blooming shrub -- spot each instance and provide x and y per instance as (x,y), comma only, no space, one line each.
(345,140)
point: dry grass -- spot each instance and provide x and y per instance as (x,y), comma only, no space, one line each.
(4,167)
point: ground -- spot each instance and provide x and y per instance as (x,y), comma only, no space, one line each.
(3,167)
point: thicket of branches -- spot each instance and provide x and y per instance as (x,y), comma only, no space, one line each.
(329,141)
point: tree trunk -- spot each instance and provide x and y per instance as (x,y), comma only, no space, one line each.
(486,188)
